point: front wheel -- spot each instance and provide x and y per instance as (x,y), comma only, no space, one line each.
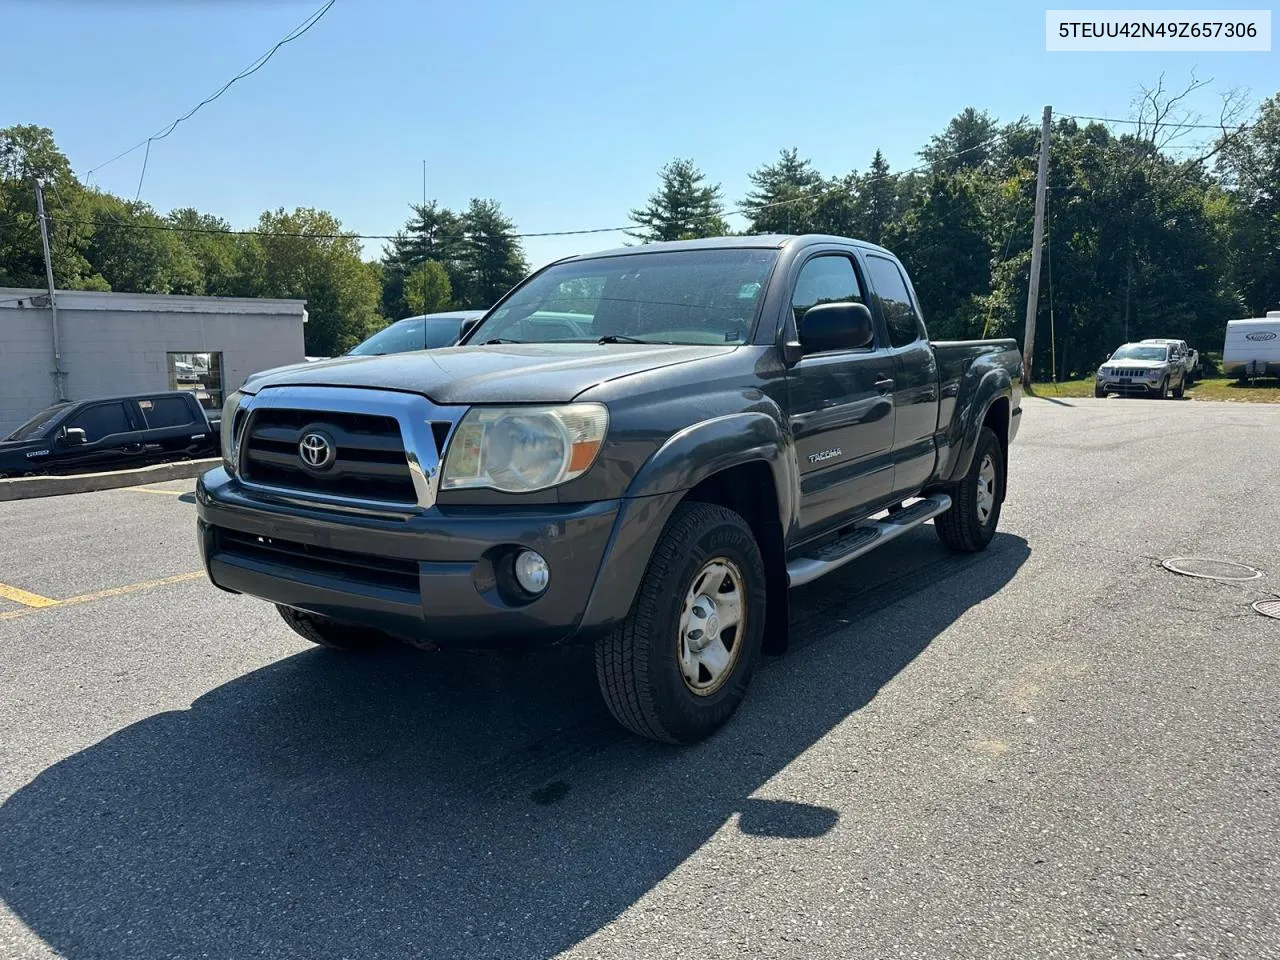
(679,665)
(1099,391)
(330,633)
(975,504)
(1181,391)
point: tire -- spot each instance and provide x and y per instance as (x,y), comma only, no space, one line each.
(1182,389)
(1099,392)
(964,528)
(641,666)
(330,633)
(1164,390)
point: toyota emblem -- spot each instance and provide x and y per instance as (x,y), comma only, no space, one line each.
(316,451)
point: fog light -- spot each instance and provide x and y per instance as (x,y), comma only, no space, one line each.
(532,571)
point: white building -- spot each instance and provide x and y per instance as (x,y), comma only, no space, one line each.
(119,343)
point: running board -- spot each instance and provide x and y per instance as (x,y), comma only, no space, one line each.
(864,538)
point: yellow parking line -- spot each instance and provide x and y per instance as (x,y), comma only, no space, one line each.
(97,594)
(23,597)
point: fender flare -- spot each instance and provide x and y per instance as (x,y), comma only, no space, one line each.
(994,385)
(709,447)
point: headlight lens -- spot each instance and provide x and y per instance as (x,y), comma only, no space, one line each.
(522,449)
(227,432)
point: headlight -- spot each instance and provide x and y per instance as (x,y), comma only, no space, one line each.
(227,433)
(1104,371)
(1154,374)
(522,449)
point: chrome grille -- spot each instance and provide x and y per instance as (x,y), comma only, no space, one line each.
(387,446)
(370,460)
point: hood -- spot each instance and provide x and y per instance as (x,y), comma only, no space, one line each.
(1138,364)
(497,373)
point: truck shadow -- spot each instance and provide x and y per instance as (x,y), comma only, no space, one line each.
(443,806)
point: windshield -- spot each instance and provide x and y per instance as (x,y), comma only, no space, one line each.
(690,297)
(415,333)
(1133,351)
(37,424)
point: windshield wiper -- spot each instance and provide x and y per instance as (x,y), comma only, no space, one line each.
(623,338)
(499,340)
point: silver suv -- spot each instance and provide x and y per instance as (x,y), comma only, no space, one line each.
(1144,369)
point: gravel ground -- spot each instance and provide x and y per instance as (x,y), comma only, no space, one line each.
(1053,749)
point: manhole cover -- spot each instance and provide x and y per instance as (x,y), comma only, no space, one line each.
(1268,608)
(1211,569)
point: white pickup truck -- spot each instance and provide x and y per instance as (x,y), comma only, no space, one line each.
(1189,358)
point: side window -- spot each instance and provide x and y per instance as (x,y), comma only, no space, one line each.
(100,421)
(895,302)
(826,279)
(166,412)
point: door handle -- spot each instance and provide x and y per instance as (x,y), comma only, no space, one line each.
(884,384)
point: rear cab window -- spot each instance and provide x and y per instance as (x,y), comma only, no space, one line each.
(160,412)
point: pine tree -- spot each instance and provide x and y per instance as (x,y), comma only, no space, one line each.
(685,207)
(785,197)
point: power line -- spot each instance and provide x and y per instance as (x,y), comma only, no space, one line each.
(1149,123)
(744,211)
(253,68)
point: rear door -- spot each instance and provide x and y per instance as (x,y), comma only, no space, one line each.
(171,424)
(841,405)
(916,374)
(111,438)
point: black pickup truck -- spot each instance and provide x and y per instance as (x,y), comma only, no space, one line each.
(110,433)
(746,415)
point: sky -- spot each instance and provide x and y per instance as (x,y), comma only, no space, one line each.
(561,111)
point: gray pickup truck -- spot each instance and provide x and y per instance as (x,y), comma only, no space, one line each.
(742,416)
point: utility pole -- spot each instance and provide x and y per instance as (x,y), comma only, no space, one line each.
(58,373)
(1037,241)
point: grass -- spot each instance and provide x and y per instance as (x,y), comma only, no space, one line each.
(1260,391)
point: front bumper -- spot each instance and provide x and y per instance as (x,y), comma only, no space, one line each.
(1133,385)
(435,576)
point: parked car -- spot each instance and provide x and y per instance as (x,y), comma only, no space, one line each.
(416,333)
(1189,358)
(1143,369)
(744,415)
(110,433)
(1252,347)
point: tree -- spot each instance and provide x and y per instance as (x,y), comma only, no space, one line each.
(1249,163)
(307,255)
(967,142)
(132,251)
(427,289)
(879,205)
(785,195)
(493,260)
(433,233)
(944,244)
(684,207)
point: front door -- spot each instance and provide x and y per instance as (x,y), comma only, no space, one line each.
(110,439)
(842,409)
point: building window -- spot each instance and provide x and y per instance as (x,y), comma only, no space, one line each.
(201,373)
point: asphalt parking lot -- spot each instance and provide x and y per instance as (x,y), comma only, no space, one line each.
(1053,749)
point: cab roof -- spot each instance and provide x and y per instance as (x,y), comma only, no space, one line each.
(763,241)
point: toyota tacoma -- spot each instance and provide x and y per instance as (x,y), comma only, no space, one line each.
(724,420)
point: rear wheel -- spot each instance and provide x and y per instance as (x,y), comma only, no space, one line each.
(330,633)
(975,503)
(679,665)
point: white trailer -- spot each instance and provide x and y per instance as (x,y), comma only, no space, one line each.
(1252,347)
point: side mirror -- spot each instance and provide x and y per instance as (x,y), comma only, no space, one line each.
(74,436)
(836,326)
(467,327)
